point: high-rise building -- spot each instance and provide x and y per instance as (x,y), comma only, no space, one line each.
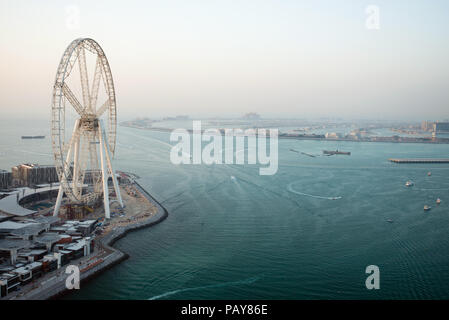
(5,179)
(439,127)
(32,174)
(427,125)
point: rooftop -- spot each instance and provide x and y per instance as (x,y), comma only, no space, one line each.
(50,219)
(48,237)
(30,230)
(11,225)
(28,267)
(34,165)
(9,203)
(8,244)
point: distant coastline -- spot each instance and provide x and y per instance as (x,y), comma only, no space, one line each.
(319,137)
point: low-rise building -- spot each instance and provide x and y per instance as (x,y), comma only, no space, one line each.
(8,282)
(5,179)
(49,263)
(332,135)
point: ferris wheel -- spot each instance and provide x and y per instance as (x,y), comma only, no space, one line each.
(83,156)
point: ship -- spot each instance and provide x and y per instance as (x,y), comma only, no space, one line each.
(332,152)
(33,137)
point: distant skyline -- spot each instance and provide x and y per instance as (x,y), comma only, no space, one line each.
(302,59)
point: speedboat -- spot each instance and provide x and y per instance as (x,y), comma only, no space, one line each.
(438,201)
(390,221)
(427,208)
(409,183)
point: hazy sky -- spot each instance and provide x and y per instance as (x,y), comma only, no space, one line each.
(211,58)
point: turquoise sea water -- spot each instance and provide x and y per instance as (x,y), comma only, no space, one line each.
(233,234)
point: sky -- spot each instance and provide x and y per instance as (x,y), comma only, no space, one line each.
(210,58)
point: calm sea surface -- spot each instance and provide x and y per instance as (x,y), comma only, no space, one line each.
(233,234)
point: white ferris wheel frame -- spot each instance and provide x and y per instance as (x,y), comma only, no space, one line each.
(89,130)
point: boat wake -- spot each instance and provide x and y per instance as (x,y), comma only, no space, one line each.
(218,285)
(290,188)
(434,189)
(184,154)
(34,152)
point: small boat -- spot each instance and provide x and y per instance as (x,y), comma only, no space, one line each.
(33,137)
(332,152)
(429,173)
(409,183)
(427,208)
(390,221)
(438,201)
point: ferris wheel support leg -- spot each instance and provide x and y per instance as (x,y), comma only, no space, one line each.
(58,201)
(104,175)
(65,168)
(111,169)
(76,165)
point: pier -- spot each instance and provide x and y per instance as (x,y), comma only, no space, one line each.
(422,160)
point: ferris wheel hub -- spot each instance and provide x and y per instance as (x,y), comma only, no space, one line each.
(89,123)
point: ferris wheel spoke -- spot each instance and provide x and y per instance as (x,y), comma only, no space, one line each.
(68,94)
(94,165)
(84,77)
(96,85)
(76,164)
(75,134)
(70,146)
(82,163)
(103,108)
(84,159)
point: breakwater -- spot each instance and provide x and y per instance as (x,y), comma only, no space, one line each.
(405,160)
